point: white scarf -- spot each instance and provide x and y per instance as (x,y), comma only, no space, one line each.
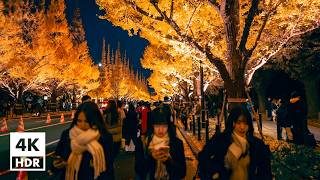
(239,166)
(82,141)
(156,143)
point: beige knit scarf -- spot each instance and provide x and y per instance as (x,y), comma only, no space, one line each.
(156,143)
(82,141)
(237,158)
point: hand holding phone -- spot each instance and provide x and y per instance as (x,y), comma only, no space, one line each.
(161,154)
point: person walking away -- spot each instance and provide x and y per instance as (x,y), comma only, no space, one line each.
(269,109)
(85,149)
(85,98)
(113,125)
(235,154)
(144,118)
(297,115)
(130,127)
(283,122)
(161,155)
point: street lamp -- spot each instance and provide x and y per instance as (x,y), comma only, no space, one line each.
(100,64)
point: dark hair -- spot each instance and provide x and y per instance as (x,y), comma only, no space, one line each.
(166,98)
(112,109)
(120,103)
(235,113)
(93,116)
(295,94)
(131,107)
(159,116)
(85,98)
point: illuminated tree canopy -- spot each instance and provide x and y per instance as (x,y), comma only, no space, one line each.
(38,51)
(235,37)
(118,79)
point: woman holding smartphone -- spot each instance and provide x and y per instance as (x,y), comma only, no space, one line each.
(161,155)
(235,154)
(85,149)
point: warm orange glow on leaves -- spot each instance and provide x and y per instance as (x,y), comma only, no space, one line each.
(118,80)
(237,37)
(37,49)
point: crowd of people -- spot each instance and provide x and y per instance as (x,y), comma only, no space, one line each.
(88,148)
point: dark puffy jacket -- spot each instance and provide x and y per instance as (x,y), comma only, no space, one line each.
(145,165)
(86,171)
(211,159)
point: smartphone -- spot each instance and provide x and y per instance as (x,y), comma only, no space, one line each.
(165,149)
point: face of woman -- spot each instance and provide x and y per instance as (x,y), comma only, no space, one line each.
(160,130)
(82,122)
(240,126)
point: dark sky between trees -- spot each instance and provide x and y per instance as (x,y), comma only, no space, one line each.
(97,29)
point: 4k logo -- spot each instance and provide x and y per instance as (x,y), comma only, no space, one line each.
(27,151)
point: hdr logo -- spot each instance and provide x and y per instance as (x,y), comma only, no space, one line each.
(27,151)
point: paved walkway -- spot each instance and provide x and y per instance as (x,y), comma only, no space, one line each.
(270,128)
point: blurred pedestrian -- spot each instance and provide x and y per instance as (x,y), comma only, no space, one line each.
(113,124)
(269,109)
(130,127)
(297,115)
(86,98)
(236,153)
(161,155)
(145,123)
(85,149)
(282,121)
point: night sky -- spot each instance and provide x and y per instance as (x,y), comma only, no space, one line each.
(97,29)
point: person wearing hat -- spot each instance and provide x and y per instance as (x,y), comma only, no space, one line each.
(161,155)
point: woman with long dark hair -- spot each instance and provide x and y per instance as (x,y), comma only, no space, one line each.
(161,154)
(114,125)
(236,153)
(85,149)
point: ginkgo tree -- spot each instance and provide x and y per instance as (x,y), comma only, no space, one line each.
(236,36)
(39,54)
(117,79)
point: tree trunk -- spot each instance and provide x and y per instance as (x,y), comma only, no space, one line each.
(312,97)
(235,89)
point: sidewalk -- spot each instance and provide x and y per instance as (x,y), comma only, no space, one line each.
(27,116)
(269,128)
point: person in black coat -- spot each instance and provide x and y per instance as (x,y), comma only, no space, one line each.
(160,155)
(283,121)
(235,153)
(130,125)
(85,149)
(297,115)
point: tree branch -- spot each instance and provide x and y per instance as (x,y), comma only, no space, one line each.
(215,4)
(195,9)
(219,64)
(245,34)
(213,59)
(143,12)
(171,10)
(262,28)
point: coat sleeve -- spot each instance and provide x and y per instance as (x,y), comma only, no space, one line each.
(140,160)
(63,148)
(264,165)
(177,165)
(209,158)
(107,147)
